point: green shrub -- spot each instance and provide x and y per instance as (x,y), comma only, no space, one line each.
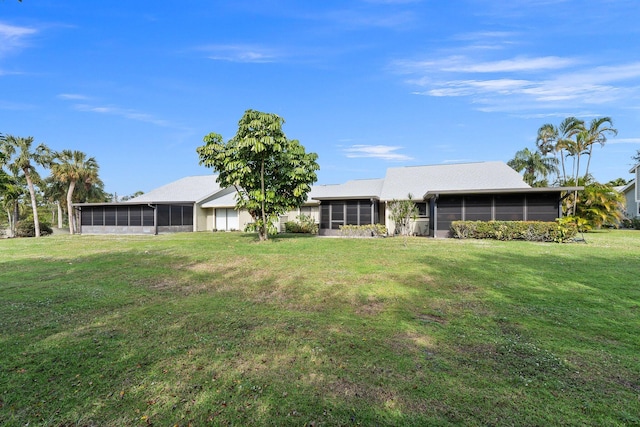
(368,230)
(26,228)
(534,231)
(304,224)
(631,223)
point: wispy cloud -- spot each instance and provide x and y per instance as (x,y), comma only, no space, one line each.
(623,141)
(241,53)
(122,112)
(73,96)
(523,82)
(13,37)
(384,152)
(355,19)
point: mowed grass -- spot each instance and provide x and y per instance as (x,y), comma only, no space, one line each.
(217,329)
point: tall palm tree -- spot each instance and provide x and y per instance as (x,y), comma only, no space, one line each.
(20,157)
(546,142)
(597,133)
(72,167)
(565,144)
(536,167)
(11,196)
(55,192)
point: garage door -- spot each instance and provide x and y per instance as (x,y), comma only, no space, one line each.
(227,219)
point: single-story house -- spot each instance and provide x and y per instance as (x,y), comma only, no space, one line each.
(442,193)
(631,192)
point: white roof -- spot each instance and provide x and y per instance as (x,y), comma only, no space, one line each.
(418,180)
(359,188)
(398,183)
(189,189)
(624,189)
(225,201)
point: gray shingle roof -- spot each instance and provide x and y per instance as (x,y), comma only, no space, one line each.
(189,189)
(417,180)
(224,201)
(359,188)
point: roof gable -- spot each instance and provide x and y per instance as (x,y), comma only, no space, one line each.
(188,189)
(418,180)
(355,189)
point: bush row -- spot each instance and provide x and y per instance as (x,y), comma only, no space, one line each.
(368,230)
(304,224)
(535,231)
(633,223)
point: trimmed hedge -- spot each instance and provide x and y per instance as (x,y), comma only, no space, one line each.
(304,224)
(368,230)
(534,231)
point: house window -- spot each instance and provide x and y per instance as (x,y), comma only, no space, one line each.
(109,215)
(336,213)
(135,216)
(122,215)
(422,209)
(147,216)
(478,208)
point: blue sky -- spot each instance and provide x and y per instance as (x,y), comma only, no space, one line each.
(366,84)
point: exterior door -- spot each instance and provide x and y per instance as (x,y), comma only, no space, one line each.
(227,219)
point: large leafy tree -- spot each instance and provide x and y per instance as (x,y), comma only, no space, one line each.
(271,173)
(19,156)
(71,167)
(535,166)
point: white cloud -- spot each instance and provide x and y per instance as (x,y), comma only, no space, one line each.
(623,141)
(124,113)
(13,37)
(72,96)
(384,152)
(241,53)
(550,82)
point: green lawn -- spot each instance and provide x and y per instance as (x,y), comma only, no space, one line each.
(217,329)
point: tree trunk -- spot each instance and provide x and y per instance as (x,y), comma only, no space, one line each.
(564,171)
(263,233)
(72,220)
(10,229)
(60,214)
(588,162)
(34,205)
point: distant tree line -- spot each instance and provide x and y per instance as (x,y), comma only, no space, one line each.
(26,196)
(563,157)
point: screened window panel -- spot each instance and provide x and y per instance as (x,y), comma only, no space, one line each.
(509,208)
(98,215)
(135,216)
(109,215)
(86,216)
(352,213)
(176,215)
(325,216)
(365,212)
(543,207)
(187,215)
(147,216)
(478,208)
(449,210)
(163,215)
(122,215)
(337,211)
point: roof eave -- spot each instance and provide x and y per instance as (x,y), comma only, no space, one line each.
(433,193)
